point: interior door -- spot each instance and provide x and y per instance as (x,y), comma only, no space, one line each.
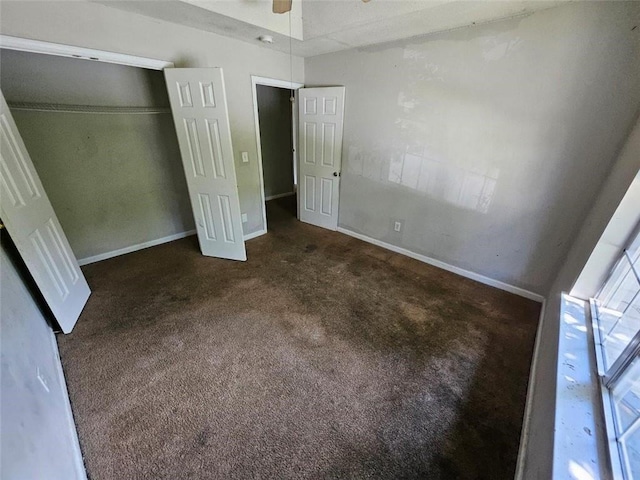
(321,115)
(34,228)
(199,107)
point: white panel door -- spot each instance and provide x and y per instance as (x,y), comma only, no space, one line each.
(34,228)
(321,116)
(199,106)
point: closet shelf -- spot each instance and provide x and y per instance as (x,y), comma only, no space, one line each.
(95,109)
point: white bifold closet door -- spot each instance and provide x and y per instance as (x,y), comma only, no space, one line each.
(199,107)
(321,117)
(34,228)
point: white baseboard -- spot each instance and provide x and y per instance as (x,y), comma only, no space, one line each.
(249,236)
(134,248)
(528,409)
(280,195)
(445,266)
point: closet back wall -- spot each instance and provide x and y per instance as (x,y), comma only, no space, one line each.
(276,139)
(115,179)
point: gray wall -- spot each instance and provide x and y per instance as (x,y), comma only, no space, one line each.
(101,27)
(113,180)
(276,142)
(489,143)
(37,438)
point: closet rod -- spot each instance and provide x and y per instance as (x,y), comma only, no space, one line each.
(96,109)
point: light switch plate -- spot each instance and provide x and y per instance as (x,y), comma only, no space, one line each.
(245,157)
(244,218)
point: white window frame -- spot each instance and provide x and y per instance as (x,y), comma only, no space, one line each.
(609,377)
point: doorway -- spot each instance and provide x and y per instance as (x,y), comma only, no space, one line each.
(276,118)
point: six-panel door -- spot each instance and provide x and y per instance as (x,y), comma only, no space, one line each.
(321,116)
(35,230)
(198,102)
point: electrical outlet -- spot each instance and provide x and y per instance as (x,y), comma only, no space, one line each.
(43,379)
(245,157)
(244,218)
(398,226)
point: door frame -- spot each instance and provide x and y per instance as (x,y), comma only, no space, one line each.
(288,85)
(61,50)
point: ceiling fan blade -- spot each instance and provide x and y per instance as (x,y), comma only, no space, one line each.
(281,6)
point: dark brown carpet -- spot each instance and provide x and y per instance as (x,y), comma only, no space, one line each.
(320,357)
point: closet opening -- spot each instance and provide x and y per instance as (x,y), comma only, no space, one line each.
(102,139)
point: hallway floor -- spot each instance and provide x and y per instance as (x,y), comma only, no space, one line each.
(320,357)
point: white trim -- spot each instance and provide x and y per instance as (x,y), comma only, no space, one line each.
(135,248)
(270,82)
(250,236)
(528,408)
(77,452)
(280,195)
(294,131)
(597,338)
(274,82)
(616,458)
(445,266)
(49,48)
(296,158)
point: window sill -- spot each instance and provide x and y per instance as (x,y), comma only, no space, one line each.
(580,438)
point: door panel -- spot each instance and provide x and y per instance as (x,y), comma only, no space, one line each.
(326,196)
(198,102)
(309,193)
(321,125)
(35,230)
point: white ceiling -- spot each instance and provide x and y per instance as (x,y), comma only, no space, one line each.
(324,26)
(257,13)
